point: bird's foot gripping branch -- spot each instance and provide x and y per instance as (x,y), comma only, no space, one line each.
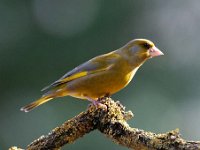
(113,123)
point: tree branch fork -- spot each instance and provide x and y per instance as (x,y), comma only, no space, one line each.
(113,123)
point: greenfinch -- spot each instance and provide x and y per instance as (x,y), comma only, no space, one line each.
(101,76)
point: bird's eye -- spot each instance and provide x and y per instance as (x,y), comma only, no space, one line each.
(146,45)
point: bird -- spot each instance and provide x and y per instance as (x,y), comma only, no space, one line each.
(102,75)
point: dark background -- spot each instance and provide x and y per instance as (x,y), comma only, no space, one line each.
(40,40)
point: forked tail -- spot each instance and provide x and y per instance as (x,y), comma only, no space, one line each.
(36,103)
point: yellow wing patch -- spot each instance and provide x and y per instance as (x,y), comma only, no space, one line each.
(74,76)
(82,74)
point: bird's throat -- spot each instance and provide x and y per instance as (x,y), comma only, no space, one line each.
(131,74)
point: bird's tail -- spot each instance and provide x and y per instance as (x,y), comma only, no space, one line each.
(36,103)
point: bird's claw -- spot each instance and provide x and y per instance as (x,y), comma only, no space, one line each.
(98,104)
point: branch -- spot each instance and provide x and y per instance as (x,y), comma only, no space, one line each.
(111,122)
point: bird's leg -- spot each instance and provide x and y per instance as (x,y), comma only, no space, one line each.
(107,95)
(97,104)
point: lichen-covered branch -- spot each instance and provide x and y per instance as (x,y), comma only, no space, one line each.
(111,122)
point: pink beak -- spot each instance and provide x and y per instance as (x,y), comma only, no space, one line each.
(154,51)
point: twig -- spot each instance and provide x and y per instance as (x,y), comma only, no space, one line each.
(111,122)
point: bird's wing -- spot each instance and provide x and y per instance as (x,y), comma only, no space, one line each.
(95,65)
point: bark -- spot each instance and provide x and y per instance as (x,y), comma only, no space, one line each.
(113,123)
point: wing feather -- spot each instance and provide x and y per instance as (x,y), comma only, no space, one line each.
(95,65)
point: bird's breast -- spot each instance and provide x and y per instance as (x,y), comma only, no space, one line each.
(100,84)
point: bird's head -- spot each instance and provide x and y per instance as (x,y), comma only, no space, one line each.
(139,50)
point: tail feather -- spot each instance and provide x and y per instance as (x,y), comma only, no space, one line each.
(36,103)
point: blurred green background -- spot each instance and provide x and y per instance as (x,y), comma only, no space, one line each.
(40,40)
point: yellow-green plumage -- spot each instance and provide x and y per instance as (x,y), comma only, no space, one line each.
(103,75)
